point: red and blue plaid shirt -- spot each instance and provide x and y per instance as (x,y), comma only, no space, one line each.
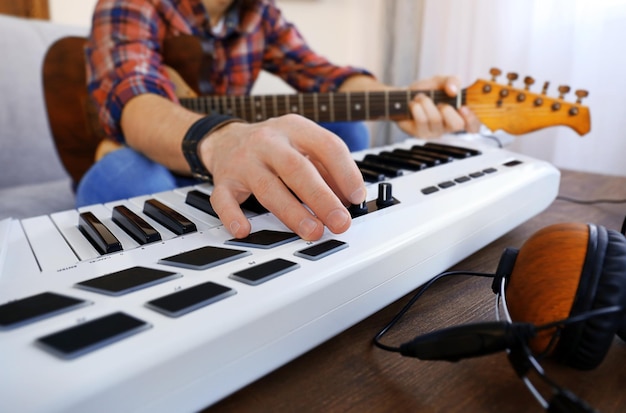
(124,52)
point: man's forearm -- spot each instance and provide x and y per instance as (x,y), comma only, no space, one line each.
(155,126)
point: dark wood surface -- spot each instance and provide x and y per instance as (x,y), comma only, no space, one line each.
(348,374)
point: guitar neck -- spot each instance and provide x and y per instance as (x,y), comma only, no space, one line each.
(320,107)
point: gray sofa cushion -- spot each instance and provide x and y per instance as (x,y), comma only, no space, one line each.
(27,154)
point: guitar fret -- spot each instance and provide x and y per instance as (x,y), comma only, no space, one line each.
(263,111)
(367,105)
(242,102)
(287,104)
(331,101)
(233,106)
(275,105)
(386,104)
(252,110)
(301,102)
(316,114)
(348,107)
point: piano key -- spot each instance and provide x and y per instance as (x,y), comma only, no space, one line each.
(134,225)
(396,162)
(164,232)
(67,223)
(200,200)
(48,244)
(380,168)
(168,217)
(19,260)
(104,215)
(406,153)
(177,202)
(84,338)
(371,176)
(451,151)
(98,234)
(455,148)
(251,207)
(421,150)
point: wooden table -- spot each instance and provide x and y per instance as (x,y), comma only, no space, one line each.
(348,374)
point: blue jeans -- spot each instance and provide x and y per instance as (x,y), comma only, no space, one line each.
(126,173)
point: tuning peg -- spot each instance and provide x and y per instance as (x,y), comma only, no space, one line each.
(495,72)
(528,81)
(580,94)
(544,90)
(563,90)
(512,78)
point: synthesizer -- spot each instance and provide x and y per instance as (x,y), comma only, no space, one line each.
(149,305)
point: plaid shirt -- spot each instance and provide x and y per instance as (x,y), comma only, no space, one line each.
(124,52)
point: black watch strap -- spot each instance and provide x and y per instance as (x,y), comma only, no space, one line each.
(195,134)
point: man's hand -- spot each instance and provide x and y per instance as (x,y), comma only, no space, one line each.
(431,120)
(278,160)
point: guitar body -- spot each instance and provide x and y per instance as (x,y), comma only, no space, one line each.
(73,119)
(79,137)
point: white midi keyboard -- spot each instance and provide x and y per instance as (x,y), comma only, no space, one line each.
(149,305)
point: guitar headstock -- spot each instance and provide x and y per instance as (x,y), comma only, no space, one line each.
(518,111)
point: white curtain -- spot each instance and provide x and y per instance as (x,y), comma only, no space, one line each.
(580,43)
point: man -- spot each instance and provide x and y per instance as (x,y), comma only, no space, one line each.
(273,159)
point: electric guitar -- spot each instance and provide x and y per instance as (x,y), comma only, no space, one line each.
(77,132)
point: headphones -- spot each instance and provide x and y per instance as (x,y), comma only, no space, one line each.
(582,269)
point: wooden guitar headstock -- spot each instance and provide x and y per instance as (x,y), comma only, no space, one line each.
(518,111)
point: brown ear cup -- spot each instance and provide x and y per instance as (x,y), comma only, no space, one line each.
(565,270)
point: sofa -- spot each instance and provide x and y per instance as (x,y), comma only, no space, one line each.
(33,181)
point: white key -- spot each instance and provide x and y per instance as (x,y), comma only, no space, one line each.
(67,222)
(48,244)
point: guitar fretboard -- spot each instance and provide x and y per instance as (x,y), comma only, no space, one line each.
(320,107)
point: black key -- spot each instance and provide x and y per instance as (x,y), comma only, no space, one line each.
(459,149)
(92,335)
(98,234)
(168,217)
(265,239)
(264,272)
(461,179)
(371,176)
(134,225)
(203,258)
(36,307)
(380,168)
(421,150)
(126,281)
(428,160)
(321,250)
(476,174)
(202,201)
(253,205)
(395,161)
(190,299)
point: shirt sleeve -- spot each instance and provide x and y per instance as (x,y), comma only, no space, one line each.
(123,59)
(288,56)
